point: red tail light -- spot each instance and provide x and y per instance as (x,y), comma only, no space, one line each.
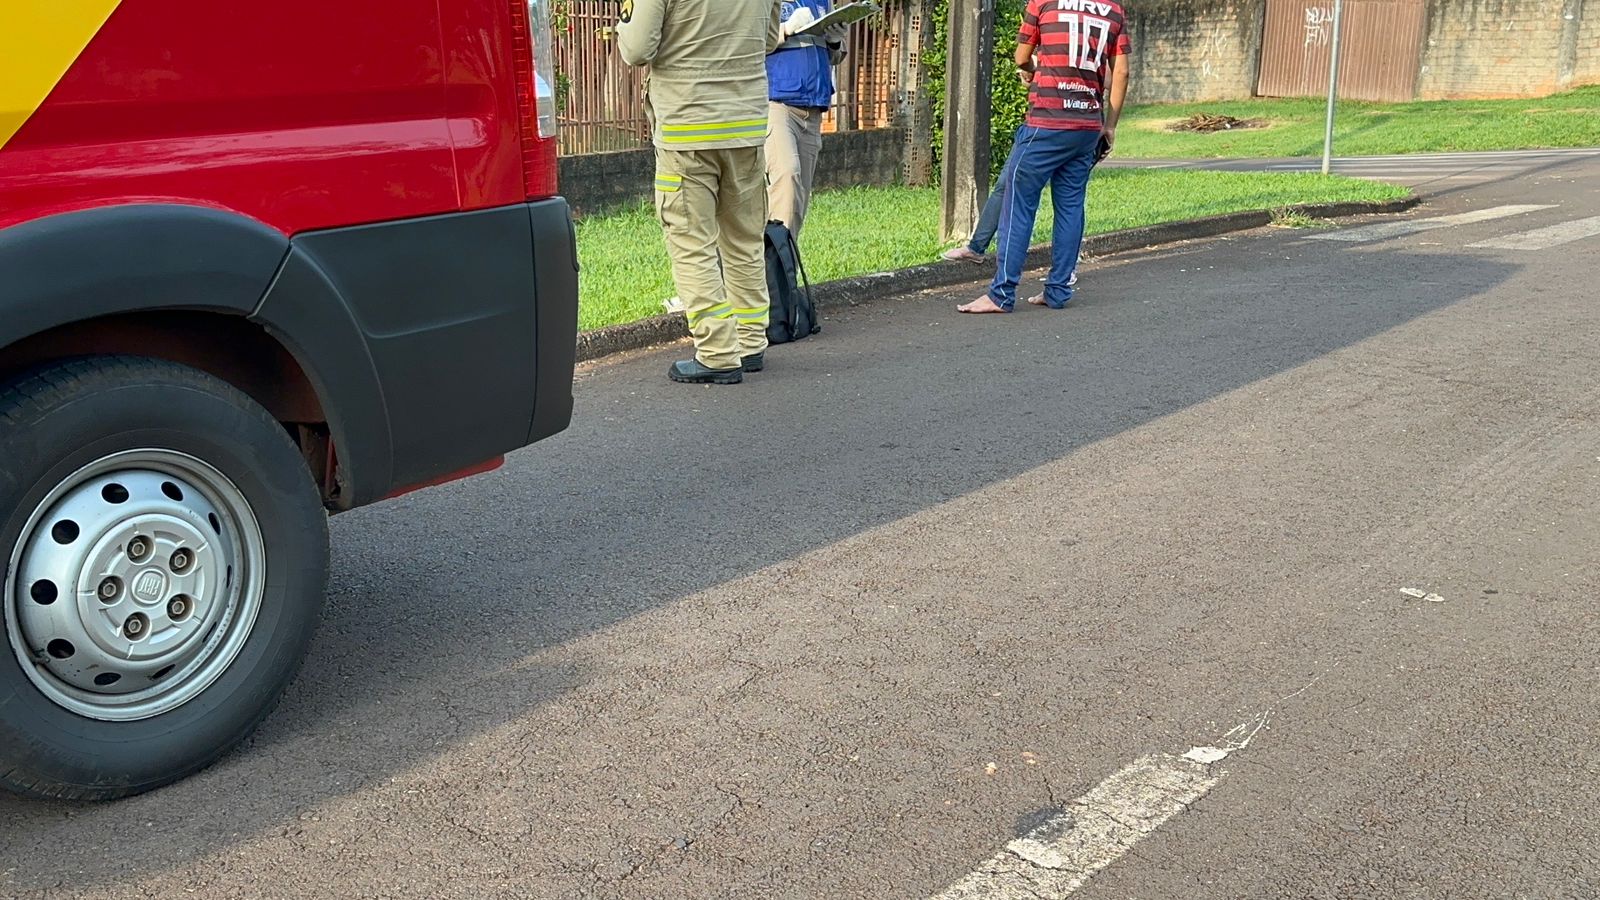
(533,56)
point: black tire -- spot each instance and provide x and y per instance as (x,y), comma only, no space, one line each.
(58,420)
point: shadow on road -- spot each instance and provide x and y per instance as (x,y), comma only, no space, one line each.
(444,603)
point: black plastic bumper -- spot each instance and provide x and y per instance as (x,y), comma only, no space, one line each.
(435,344)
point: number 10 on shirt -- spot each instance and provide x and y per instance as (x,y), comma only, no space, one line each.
(1087,39)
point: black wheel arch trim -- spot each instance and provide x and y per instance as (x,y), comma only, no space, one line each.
(323,296)
(91,263)
(145,257)
(305,312)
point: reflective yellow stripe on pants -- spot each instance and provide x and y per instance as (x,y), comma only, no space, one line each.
(714,131)
(755,315)
(720,311)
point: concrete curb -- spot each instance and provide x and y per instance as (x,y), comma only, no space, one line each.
(670,327)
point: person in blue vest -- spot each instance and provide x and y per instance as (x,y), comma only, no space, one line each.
(800,88)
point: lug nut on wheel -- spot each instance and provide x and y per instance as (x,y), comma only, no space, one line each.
(110,589)
(136,626)
(178,607)
(181,560)
(138,549)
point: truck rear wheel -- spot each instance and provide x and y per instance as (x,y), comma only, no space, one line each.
(167,558)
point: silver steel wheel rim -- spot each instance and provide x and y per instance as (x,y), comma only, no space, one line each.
(134,585)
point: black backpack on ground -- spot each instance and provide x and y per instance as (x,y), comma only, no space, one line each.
(794,315)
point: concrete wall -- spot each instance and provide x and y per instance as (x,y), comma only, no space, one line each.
(1586,68)
(1194,50)
(1198,50)
(596,182)
(862,158)
(1497,48)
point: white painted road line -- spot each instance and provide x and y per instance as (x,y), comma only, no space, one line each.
(1426,165)
(1545,238)
(1470,157)
(1060,856)
(1475,155)
(1099,828)
(1388,230)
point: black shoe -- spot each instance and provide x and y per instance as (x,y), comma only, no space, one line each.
(755,362)
(690,371)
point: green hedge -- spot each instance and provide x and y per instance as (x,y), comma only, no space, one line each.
(1010,96)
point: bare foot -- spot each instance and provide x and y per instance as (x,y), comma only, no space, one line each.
(983,304)
(1037,299)
(964,254)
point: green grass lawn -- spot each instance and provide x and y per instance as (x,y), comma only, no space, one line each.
(1571,119)
(855,232)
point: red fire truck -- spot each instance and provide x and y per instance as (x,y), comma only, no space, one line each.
(258,261)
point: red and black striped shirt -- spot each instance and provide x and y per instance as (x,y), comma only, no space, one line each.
(1075,39)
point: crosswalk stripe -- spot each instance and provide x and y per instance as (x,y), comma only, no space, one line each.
(1545,238)
(1388,230)
(1062,853)
(1059,856)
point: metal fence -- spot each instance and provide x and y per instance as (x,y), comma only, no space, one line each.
(601,97)
(1381,58)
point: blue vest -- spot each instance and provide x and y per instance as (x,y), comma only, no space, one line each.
(801,76)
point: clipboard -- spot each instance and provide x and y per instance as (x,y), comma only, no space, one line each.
(843,15)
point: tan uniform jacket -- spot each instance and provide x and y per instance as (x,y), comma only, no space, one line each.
(707,87)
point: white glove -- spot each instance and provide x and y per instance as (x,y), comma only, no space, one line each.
(799,20)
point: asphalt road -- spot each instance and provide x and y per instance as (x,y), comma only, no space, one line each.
(848,629)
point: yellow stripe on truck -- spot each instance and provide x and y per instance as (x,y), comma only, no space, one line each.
(39,41)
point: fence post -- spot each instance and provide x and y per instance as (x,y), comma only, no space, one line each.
(915,114)
(968,77)
(847,84)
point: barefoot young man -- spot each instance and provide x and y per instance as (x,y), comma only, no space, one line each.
(1070,48)
(976,249)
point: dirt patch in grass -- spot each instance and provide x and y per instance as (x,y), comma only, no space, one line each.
(1206,123)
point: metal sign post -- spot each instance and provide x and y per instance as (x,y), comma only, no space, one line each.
(1333,87)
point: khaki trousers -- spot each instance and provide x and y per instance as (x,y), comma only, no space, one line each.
(794,138)
(712,205)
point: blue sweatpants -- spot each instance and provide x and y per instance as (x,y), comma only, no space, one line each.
(1063,160)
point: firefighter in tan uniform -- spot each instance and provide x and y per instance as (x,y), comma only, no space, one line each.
(706,94)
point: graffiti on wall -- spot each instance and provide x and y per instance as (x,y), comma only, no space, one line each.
(1319,26)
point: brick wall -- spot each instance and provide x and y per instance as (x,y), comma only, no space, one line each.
(1192,50)
(1494,48)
